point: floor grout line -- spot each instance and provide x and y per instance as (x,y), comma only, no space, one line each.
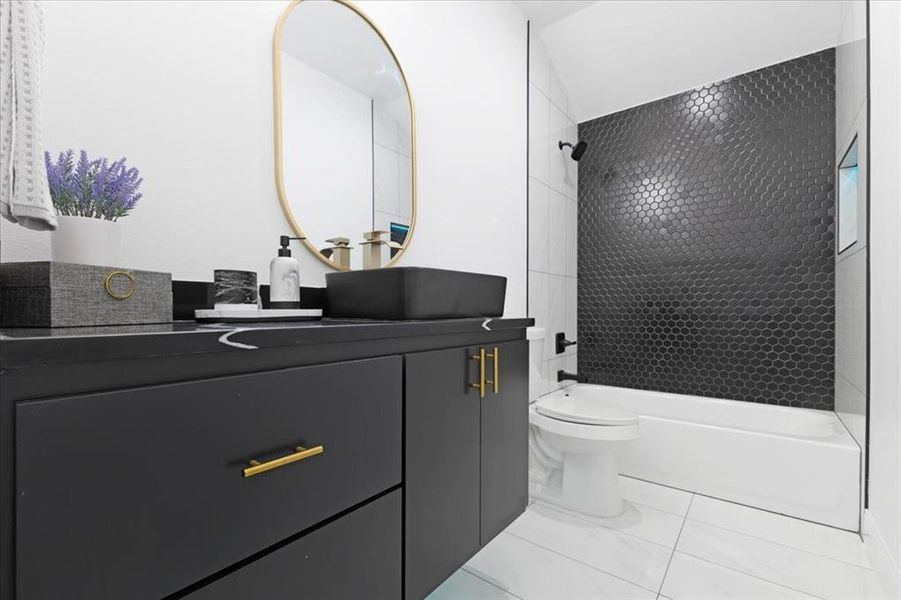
(763,510)
(780,544)
(676,545)
(689,492)
(492,584)
(751,575)
(584,564)
(657,508)
(770,512)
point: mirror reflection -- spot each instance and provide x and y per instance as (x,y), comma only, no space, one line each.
(346,153)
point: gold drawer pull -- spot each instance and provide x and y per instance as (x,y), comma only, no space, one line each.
(481,384)
(256,467)
(496,382)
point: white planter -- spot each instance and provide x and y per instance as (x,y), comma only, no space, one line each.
(86,241)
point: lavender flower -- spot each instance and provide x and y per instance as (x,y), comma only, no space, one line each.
(92,188)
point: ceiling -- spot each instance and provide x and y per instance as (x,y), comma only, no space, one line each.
(542,13)
(613,54)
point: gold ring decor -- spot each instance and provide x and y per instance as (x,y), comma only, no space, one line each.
(108,284)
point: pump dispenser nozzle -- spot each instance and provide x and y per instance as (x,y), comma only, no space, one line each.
(284,241)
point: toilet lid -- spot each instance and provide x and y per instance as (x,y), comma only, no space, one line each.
(588,411)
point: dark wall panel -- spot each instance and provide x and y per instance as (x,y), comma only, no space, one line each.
(706,240)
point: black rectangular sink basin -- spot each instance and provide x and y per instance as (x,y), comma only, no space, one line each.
(401,293)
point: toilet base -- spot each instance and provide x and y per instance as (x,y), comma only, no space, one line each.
(591,484)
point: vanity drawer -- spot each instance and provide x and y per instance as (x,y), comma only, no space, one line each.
(140,493)
(357,556)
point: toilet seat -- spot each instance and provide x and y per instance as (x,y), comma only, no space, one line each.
(584,411)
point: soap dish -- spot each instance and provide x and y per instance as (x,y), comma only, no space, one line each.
(239,313)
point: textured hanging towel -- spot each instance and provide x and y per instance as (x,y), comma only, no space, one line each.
(24,194)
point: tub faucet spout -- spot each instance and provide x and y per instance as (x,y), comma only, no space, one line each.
(563,376)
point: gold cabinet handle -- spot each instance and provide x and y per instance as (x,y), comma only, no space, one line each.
(481,384)
(300,453)
(496,381)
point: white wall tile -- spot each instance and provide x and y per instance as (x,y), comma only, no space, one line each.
(557,96)
(556,157)
(384,128)
(554,365)
(544,378)
(548,381)
(558,213)
(539,113)
(851,319)
(570,167)
(404,140)
(539,64)
(538,298)
(556,307)
(553,228)
(572,309)
(851,408)
(386,181)
(539,226)
(405,186)
(571,365)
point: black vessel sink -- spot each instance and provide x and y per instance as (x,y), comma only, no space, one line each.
(401,293)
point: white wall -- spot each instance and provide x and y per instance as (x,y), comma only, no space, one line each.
(327,141)
(885,282)
(553,207)
(184,90)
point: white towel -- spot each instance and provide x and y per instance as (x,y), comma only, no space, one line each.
(24,194)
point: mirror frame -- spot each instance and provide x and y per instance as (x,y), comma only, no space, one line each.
(279,151)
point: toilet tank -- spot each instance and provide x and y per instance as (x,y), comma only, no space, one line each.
(535,336)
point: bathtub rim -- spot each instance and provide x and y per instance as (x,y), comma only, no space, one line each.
(840,437)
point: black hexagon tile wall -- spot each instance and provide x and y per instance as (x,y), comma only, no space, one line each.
(706,240)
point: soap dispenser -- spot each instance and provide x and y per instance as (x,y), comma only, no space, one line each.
(284,277)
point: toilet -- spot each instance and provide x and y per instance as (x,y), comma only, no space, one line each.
(573,437)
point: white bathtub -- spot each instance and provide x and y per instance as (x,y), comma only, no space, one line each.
(792,461)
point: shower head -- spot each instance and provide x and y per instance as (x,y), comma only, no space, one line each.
(577,151)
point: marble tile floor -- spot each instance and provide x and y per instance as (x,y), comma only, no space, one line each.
(668,544)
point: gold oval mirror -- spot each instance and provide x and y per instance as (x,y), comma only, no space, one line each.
(345,141)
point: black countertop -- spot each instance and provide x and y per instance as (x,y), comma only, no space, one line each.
(22,348)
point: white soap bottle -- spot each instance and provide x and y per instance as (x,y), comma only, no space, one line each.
(284,278)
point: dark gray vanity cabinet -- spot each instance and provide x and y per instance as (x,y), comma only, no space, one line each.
(466,457)
(504,444)
(354,557)
(327,460)
(442,455)
(133,494)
